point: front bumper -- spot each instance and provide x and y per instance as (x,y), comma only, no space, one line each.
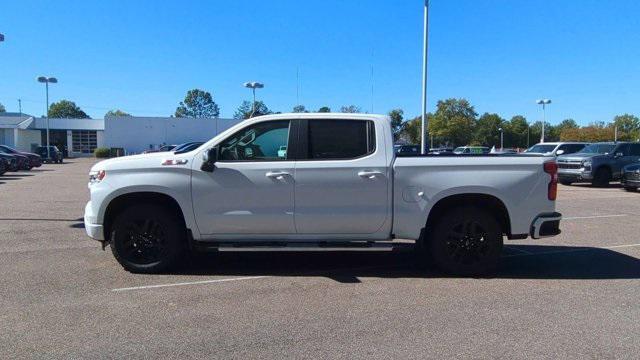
(574,175)
(546,225)
(95,231)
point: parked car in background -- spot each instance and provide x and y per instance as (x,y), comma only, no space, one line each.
(12,161)
(4,166)
(598,163)
(631,177)
(408,150)
(556,148)
(22,161)
(34,159)
(52,156)
(163,148)
(186,147)
(441,151)
(471,150)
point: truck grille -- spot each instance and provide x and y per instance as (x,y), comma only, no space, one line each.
(566,165)
(632,176)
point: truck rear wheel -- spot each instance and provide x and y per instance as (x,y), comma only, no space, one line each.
(466,241)
(147,239)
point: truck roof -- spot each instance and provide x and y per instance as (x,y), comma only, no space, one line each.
(327,116)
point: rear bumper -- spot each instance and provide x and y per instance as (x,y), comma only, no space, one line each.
(546,225)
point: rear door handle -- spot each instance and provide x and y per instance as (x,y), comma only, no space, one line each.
(279,175)
(369,174)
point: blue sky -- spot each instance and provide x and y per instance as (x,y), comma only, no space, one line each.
(142,56)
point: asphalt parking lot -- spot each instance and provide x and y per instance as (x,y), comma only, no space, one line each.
(573,296)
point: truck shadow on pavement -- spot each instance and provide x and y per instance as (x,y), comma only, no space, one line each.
(526,262)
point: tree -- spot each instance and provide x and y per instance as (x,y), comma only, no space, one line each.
(453,121)
(396,115)
(2,109)
(486,130)
(516,133)
(65,109)
(198,104)
(245,109)
(410,132)
(628,126)
(116,113)
(350,109)
(324,109)
(300,109)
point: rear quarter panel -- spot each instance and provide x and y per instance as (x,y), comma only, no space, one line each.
(518,181)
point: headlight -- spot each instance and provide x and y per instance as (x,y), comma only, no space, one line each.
(96,176)
(586,164)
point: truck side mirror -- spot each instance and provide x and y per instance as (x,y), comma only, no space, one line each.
(209,159)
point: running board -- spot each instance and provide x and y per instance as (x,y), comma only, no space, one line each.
(299,246)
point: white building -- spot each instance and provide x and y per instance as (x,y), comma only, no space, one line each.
(137,134)
(79,137)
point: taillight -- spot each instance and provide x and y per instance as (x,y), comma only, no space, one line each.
(551,168)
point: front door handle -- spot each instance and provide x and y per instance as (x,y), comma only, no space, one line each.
(279,175)
(369,174)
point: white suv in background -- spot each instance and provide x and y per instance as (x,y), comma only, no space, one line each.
(556,148)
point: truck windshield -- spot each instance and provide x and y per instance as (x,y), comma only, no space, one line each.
(598,149)
(541,149)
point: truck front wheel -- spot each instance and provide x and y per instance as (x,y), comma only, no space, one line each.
(147,238)
(466,241)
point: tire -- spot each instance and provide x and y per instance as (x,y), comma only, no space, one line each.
(148,239)
(466,241)
(602,177)
(631,188)
(566,182)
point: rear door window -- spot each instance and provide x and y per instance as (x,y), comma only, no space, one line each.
(340,139)
(634,149)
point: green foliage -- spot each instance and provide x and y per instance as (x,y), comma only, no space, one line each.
(628,126)
(396,115)
(454,120)
(2,108)
(245,109)
(486,130)
(350,109)
(198,104)
(102,152)
(116,113)
(324,109)
(65,109)
(300,109)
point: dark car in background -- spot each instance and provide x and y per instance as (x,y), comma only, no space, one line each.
(4,166)
(407,150)
(598,163)
(631,177)
(186,147)
(22,161)
(54,155)
(12,161)
(34,159)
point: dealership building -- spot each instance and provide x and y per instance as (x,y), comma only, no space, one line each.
(79,137)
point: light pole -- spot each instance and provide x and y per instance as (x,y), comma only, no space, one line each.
(544,103)
(501,138)
(425,42)
(1,38)
(47,81)
(253,85)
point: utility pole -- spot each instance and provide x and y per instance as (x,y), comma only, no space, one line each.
(20,107)
(425,41)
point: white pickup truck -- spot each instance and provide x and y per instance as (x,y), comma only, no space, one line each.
(318,180)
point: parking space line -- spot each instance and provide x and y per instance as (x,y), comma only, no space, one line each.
(189,283)
(520,250)
(593,217)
